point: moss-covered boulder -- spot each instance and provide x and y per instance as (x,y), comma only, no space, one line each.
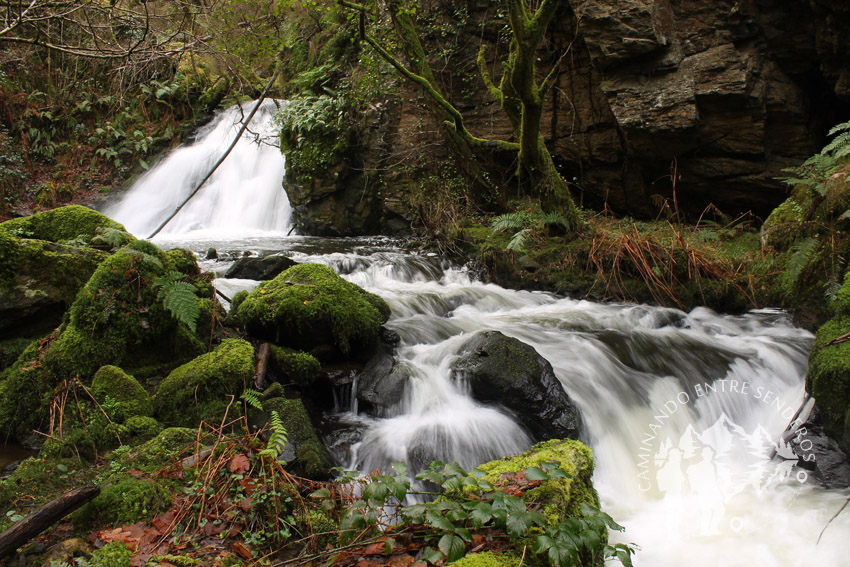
(294,367)
(310,305)
(561,498)
(117,318)
(73,222)
(125,502)
(200,388)
(828,379)
(120,393)
(311,456)
(39,280)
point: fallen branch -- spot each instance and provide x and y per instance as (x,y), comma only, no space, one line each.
(262,365)
(43,518)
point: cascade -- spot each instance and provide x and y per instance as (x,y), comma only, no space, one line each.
(681,409)
(244,194)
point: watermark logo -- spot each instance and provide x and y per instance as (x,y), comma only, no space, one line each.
(709,465)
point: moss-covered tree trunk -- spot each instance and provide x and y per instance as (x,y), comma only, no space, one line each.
(521,95)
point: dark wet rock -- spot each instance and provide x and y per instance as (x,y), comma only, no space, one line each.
(260,269)
(389,337)
(382,383)
(212,254)
(502,370)
(818,452)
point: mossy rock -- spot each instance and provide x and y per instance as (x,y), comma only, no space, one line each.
(113,554)
(197,389)
(561,498)
(115,317)
(782,227)
(39,281)
(128,397)
(162,449)
(73,222)
(11,349)
(38,480)
(841,306)
(828,379)
(488,559)
(310,454)
(311,305)
(125,502)
(296,367)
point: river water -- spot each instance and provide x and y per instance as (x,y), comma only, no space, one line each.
(682,410)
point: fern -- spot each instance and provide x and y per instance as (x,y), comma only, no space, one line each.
(111,237)
(252,398)
(511,221)
(278,439)
(519,240)
(144,257)
(555,219)
(840,146)
(800,257)
(179,298)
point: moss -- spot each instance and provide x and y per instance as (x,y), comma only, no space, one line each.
(173,561)
(310,453)
(37,480)
(162,449)
(326,529)
(11,349)
(141,427)
(841,306)
(183,261)
(113,554)
(488,559)
(10,255)
(782,227)
(309,305)
(128,396)
(115,316)
(182,396)
(828,379)
(65,223)
(295,367)
(125,502)
(561,498)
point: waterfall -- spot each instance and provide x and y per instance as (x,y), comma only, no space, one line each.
(245,194)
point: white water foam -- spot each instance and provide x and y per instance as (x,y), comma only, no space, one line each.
(244,195)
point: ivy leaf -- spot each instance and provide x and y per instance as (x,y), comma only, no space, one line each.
(481,514)
(431,555)
(439,522)
(535,473)
(452,547)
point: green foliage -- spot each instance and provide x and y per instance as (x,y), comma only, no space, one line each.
(12,173)
(313,132)
(839,147)
(128,397)
(251,398)
(527,226)
(179,298)
(470,502)
(278,437)
(125,502)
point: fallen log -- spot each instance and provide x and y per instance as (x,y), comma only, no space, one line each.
(43,518)
(262,365)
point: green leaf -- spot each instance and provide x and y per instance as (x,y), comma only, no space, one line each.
(535,473)
(452,547)
(481,514)
(431,555)
(518,524)
(180,299)
(439,522)
(321,493)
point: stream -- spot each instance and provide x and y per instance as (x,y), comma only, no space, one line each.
(681,409)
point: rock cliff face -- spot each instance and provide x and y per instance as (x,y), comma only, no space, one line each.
(686,102)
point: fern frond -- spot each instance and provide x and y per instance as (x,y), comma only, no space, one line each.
(252,398)
(179,298)
(510,221)
(555,219)
(800,257)
(111,237)
(278,438)
(519,240)
(144,257)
